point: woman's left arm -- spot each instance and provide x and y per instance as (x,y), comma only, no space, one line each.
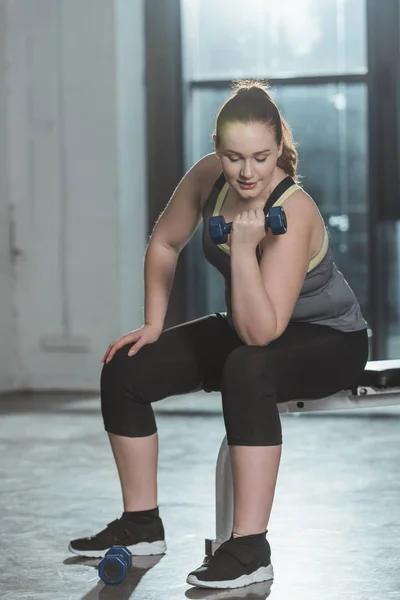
(263,295)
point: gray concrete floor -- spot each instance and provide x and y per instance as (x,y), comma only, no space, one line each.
(334,531)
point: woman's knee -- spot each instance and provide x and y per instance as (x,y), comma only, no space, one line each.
(116,375)
(249,398)
(124,407)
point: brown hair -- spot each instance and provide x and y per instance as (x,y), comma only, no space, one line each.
(251,103)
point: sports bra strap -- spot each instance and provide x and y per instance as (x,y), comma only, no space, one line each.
(280,189)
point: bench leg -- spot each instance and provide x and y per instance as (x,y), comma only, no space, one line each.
(223,500)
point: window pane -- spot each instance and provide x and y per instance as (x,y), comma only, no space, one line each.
(329,122)
(231,39)
(390,267)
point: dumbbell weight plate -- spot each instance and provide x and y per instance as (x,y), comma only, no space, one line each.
(277,220)
(115,564)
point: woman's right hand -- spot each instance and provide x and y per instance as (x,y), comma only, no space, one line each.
(147,334)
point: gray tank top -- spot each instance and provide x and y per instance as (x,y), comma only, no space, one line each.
(325,298)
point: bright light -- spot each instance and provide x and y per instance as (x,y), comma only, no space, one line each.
(296,23)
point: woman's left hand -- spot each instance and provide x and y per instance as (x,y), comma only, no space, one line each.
(248,228)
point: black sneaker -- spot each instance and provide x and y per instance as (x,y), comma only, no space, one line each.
(237,562)
(141,539)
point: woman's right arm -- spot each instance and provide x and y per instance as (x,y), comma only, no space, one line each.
(173,230)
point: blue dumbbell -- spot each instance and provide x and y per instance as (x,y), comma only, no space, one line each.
(275,220)
(115,564)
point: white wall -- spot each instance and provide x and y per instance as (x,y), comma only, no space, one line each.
(76,178)
(8,324)
(131,129)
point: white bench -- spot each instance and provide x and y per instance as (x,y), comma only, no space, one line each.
(378,386)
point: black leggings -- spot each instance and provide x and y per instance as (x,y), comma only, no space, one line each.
(306,361)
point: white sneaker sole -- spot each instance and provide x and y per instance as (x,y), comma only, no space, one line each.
(142,549)
(262,574)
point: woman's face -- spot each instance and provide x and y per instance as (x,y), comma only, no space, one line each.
(249,155)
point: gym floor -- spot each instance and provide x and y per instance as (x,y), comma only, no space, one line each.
(334,531)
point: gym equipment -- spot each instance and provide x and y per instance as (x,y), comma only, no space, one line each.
(379,385)
(115,565)
(275,220)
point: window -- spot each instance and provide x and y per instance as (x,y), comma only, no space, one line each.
(229,39)
(315,54)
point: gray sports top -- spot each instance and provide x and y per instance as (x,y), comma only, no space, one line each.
(325,298)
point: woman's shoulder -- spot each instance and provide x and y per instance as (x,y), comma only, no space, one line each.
(299,200)
(302,212)
(206,171)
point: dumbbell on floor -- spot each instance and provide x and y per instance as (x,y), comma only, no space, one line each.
(115,565)
(275,220)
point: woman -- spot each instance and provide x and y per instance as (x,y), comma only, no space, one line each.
(293,328)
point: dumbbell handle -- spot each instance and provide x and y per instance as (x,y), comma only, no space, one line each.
(227,227)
